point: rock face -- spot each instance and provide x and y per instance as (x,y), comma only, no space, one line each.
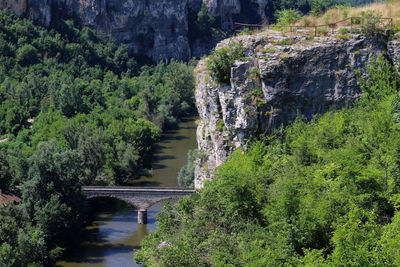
(243,10)
(394,51)
(152,28)
(155,29)
(278,79)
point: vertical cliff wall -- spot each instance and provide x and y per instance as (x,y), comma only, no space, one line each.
(279,78)
(152,28)
(156,29)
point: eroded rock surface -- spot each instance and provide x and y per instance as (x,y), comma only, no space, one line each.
(277,79)
(394,51)
(154,29)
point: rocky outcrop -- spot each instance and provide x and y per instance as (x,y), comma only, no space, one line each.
(152,29)
(277,79)
(243,10)
(394,50)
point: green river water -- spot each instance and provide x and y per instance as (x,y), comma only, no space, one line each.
(110,240)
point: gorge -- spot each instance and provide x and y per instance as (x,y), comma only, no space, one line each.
(279,77)
(303,127)
(157,30)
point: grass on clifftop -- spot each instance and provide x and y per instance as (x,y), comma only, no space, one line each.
(390,9)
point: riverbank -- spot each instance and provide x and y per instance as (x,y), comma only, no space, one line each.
(113,235)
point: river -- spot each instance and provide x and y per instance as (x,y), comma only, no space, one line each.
(112,237)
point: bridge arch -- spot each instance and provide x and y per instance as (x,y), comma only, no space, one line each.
(141,198)
(127,201)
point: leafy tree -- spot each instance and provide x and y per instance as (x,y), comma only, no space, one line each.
(186,173)
(288,16)
(320,192)
(27,55)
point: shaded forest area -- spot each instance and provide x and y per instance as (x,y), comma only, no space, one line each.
(76,110)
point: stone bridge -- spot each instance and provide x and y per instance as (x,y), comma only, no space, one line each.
(141,198)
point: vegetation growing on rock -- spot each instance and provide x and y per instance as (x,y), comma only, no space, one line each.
(324,192)
(220,62)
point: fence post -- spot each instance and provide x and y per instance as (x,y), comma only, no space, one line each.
(315,30)
(351,25)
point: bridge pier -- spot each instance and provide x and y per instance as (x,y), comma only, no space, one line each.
(142,216)
(140,197)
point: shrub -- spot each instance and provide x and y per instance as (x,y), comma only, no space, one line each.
(317,7)
(220,61)
(345,12)
(245,31)
(307,21)
(269,50)
(344,31)
(310,37)
(284,42)
(288,16)
(327,18)
(322,31)
(221,125)
(254,74)
(369,26)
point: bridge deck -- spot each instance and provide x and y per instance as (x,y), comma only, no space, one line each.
(140,197)
(137,189)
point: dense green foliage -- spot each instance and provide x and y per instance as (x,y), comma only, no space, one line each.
(220,61)
(369,23)
(186,173)
(316,7)
(202,26)
(76,111)
(80,89)
(319,193)
(287,16)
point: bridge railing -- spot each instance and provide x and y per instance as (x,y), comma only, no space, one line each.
(135,188)
(351,22)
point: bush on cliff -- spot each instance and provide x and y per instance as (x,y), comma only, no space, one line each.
(220,62)
(319,193)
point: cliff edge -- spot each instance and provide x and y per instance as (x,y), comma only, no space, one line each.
(279,78)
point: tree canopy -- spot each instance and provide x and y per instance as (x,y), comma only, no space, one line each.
(319,193)
(76,110)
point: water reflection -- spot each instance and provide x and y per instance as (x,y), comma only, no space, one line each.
(112,238)
(170,155)
(114,233)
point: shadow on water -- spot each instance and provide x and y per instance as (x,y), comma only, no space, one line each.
(171,154)
(96,255)
(162,158)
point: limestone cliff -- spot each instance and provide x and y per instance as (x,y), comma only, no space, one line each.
(243,10)
(150,28)
(278,78)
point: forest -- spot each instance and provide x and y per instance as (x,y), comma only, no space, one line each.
(318,193)
(75,109)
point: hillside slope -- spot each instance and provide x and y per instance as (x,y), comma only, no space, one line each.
(319,193)
(278,77)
